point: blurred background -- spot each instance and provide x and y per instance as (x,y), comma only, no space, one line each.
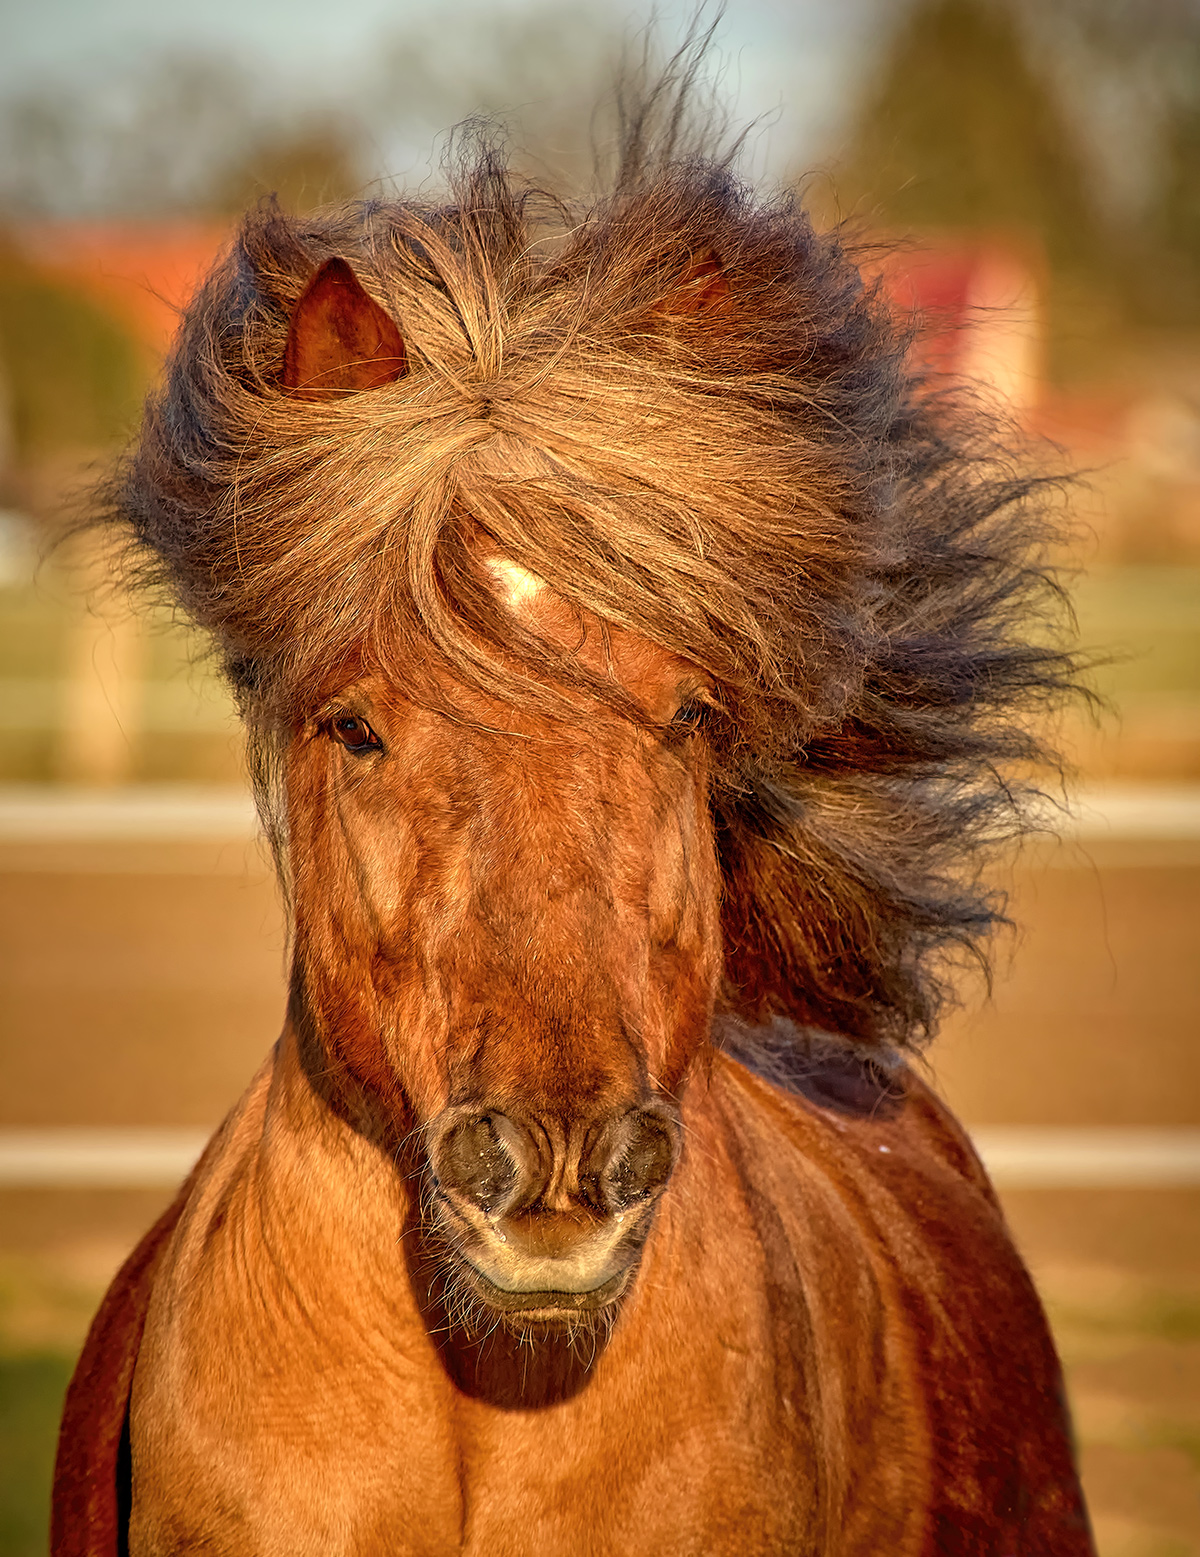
(1039,163)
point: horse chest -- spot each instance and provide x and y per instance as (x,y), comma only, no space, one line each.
(665,1449)
(768,1387)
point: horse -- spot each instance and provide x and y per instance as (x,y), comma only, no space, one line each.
(635,658)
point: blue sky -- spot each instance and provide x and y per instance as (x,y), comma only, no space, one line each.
(793,61)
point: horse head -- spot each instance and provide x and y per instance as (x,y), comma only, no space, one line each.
(507,918)
(632,629)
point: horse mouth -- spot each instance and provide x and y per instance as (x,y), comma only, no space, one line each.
(522,1278)
(545,1305)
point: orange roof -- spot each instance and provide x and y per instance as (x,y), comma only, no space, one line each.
(143,271)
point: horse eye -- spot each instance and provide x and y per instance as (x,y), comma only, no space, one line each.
(689,715)
(355,734)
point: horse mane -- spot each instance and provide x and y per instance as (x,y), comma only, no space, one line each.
(767,487)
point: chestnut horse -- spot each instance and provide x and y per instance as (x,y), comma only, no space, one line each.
(631,649)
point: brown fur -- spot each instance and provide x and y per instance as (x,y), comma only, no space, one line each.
(646,647)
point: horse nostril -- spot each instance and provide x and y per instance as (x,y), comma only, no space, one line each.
(644,1157)
(471,1157)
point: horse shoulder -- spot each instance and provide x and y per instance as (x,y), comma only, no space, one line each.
(92,1473)
(933,1371)
(287,1394)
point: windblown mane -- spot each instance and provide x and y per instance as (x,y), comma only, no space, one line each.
(765,488)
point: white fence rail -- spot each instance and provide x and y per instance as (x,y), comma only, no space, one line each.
(147,813)
(1018,1157)
(60,813)
(98,1158)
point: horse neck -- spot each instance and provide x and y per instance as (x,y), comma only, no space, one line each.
(328,1186)
(334,1037)
(338,1216)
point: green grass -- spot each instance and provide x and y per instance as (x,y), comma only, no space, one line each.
(76,373)
(31,1397)
(1154,1316)
(1147,620)
(40,625)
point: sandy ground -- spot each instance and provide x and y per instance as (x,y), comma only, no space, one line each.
(141,985)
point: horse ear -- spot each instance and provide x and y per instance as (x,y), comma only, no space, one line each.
(340,341)
(701,289)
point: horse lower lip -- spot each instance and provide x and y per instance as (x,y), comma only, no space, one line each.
(547,1300)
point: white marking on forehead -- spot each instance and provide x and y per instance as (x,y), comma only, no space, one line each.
(517,586)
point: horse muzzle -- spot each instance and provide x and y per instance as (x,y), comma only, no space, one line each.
(542,1223)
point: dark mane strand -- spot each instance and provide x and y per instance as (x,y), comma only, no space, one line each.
(769,491)
(826,1068)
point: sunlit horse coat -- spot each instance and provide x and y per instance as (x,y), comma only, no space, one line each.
(631,650)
